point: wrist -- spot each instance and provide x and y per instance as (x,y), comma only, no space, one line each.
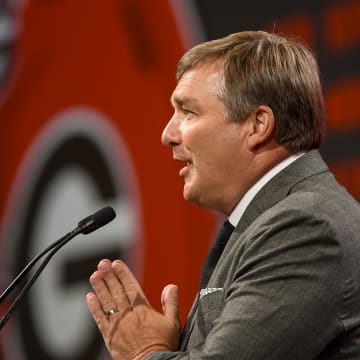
(149,351)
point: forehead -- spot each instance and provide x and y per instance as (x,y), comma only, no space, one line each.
(197,83)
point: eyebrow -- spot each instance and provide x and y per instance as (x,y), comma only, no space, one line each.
(183,100)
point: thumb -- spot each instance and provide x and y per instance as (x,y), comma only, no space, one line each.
(170,302)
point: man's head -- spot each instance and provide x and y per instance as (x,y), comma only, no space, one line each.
(241,105)
(260,68)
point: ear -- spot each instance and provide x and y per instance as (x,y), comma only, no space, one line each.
(262,127)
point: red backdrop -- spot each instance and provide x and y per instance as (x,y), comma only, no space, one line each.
(119,58)
(96,76)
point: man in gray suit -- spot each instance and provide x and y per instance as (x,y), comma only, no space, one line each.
(248,118)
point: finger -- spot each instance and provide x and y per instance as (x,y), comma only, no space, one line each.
(97,313)
(129,283)
(98,281)
(170,302)
(113,284)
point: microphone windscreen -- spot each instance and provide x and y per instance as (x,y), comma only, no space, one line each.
(97,220)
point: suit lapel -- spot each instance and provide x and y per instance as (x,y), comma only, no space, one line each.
(189,325)
(281,185)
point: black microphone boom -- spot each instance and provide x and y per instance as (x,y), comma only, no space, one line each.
(85,226)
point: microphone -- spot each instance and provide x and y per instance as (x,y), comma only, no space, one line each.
(96,220)
(85,226)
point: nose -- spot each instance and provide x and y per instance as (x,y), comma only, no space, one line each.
(171,134)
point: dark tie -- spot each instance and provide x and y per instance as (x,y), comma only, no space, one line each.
(209,265)
(215,253)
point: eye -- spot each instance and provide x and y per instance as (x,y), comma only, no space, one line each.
(187,112)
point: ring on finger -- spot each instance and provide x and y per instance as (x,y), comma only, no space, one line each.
(111,312)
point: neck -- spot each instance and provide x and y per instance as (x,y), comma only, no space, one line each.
(261,163)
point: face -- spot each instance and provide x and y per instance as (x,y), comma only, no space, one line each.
(212,150)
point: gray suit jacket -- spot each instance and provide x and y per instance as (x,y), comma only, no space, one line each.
(287,286)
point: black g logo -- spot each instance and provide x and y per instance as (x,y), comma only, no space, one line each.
(77,165)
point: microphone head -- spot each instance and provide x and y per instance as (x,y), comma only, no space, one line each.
(97,220)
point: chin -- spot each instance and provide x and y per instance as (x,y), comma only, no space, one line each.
(190,195)
(195,199)
(194,195)
(205,203)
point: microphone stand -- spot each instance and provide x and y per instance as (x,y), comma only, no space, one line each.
(85,226)
(54,248)
(31,264)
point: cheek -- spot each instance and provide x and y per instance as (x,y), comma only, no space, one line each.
(210,147)
(210,168)
(220,162)
(198,132)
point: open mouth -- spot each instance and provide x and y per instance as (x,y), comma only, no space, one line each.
(184,171)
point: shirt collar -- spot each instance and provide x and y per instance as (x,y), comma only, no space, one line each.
(240,208)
